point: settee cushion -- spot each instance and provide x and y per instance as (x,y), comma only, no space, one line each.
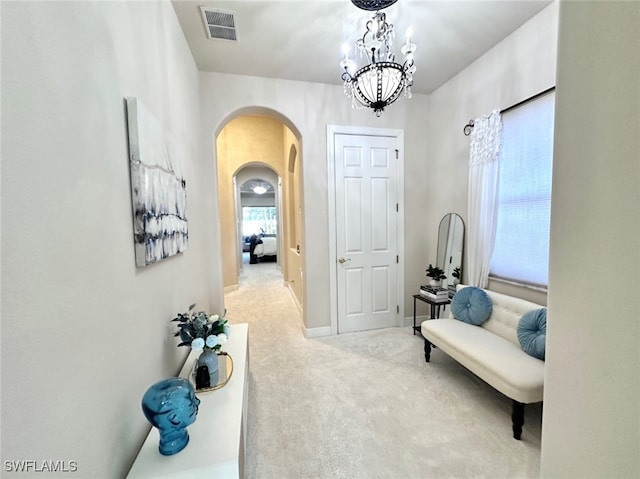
(471,305)
(532,332)
(496,360)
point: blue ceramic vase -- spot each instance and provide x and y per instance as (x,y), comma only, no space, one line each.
(171,405)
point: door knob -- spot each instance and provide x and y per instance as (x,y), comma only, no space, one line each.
(342,260)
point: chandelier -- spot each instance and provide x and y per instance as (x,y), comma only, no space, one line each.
(382,81)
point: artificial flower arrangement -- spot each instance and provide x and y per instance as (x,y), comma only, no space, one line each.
(201,331)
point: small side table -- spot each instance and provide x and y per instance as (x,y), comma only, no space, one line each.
(435,308)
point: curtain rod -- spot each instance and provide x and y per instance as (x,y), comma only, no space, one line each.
(468,128)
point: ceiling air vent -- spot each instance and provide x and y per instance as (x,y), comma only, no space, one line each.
(220,24)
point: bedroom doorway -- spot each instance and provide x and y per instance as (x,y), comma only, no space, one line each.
(258,222)
(258,215)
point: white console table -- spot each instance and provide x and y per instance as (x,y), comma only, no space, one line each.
(217,438)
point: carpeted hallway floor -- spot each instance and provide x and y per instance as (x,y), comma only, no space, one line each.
(366,405)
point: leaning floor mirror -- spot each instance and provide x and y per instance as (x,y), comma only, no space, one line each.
(450,250)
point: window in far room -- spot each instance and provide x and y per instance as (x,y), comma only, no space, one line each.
(521,251)
(259,220)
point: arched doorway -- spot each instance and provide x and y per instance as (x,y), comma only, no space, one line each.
(258,213)
(259,138)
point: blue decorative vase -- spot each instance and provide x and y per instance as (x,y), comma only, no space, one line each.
(171,405)
(209,358)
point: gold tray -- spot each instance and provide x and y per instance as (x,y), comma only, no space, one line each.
(225,366)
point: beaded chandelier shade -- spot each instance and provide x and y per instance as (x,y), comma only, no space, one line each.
(382,81)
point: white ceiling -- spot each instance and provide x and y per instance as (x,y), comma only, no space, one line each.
(302,39)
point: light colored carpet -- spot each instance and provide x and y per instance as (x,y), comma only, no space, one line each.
(366,405)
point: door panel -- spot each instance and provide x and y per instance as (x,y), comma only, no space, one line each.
(380,214)
(366,215)
(381,287)
(352,226)
(353,286)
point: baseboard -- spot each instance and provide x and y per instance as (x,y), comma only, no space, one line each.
(233,287)
(308,332)
(409,320)
(293,295)
(316,332)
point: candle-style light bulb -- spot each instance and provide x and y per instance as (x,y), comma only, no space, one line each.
(345,50)
(347,64)
(408,35)
(408,48)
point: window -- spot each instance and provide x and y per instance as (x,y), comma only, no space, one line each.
(259,220)
(521,251)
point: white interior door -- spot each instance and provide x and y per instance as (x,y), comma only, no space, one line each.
(366,241)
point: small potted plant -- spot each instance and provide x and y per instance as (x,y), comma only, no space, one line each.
(456,273)
(436,275)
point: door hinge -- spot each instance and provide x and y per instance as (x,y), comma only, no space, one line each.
(397,308)
(397,207)
(397,258)
(397,152)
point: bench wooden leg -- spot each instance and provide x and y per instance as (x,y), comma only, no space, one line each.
(427,350)
(517,418)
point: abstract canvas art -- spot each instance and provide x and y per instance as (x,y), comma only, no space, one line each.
(158,188)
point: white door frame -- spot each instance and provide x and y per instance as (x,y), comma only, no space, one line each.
(333,130)
(280,260)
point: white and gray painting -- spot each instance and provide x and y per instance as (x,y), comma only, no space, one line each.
(158,190)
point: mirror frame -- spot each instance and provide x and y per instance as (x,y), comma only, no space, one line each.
(450,231)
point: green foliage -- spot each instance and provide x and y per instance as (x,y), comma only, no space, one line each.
(435,273)
(200,326)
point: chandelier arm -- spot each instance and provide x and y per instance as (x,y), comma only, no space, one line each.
(369,24)
(407,64)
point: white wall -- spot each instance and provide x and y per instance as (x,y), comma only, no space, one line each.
(520,66)
(85,332)
(310,107)
(436,151)
(592,386)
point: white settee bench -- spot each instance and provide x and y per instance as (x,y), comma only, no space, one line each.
(492,351)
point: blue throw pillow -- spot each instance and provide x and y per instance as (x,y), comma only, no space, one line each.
(532,332)
(471,305)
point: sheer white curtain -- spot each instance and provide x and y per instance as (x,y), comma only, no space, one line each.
(482,205)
